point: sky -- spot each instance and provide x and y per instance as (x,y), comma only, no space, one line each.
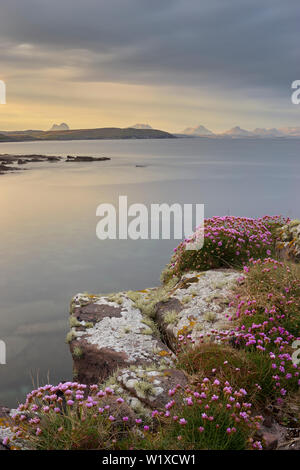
(169,63)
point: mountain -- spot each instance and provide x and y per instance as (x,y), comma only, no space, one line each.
(60,127)
(238,132)
(290,131)
(141,126)
(197,131)
(262,132)
(87,134)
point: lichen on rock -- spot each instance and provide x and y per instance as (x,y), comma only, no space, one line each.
(288,245)
(120,337)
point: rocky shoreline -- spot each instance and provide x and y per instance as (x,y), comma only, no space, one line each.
(129,342)
(10,163)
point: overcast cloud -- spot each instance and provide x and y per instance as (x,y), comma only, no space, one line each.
(240,47)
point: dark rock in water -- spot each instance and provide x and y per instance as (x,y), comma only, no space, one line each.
(20,160)
(54,159)
(6,169)
(71,158)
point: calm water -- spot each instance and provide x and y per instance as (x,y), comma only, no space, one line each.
(49,250)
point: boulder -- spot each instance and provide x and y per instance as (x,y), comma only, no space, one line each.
(288,244)
(107,336)
(151,387)
(199,304)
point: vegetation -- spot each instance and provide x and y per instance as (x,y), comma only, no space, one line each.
(231,380)
(228,242)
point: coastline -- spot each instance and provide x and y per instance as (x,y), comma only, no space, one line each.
(192,331)
(18,161)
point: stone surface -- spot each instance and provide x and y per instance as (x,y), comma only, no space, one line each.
(288,246)
(270,441)
(117,339)
(151,386)
(198,304)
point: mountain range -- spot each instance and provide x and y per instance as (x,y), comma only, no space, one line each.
(238,132)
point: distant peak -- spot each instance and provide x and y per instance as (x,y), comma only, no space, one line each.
(238,131)
(198,130)
(60,127)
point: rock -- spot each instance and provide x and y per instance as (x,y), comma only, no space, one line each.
(53,159)
(22,160)
(70,158)
(4,411)
(198,304)
(151,386)
(116,338)
(270,441)
(288,245)
(5,430)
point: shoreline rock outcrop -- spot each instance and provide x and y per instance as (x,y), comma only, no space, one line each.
(112,339)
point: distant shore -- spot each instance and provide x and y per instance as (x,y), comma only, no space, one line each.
(84,134)
(11,163)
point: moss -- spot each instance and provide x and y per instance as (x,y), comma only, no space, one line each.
(210,317)
(147,331)
(145,388)
(89,325)
(116,297)
(77,352)
(294,223)
(134,296)
(70,336)
(73,322)
(147,304)
(186,299)
(171,317)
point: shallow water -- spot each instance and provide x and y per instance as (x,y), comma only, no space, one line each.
(48,246)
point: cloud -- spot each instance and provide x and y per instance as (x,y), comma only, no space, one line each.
(245,44)
(243,48)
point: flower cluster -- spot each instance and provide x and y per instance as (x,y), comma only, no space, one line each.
(71,415)
(211,415)
(228,241)
(266,322)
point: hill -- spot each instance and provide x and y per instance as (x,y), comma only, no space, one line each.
(86,134)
